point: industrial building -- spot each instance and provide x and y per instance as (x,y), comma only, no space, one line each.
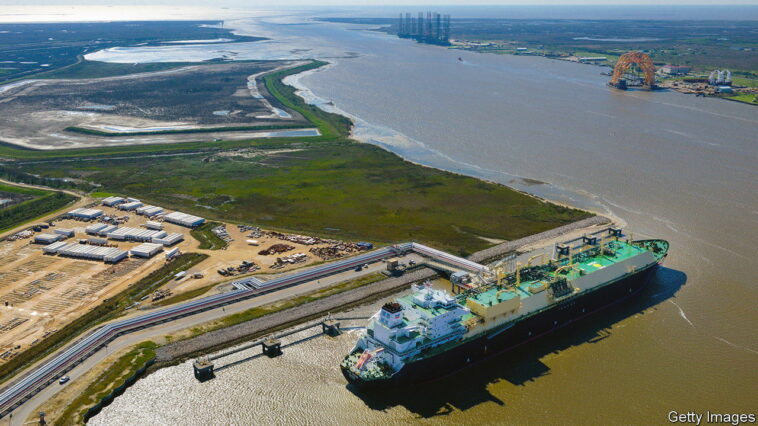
(64,231)
(107,230)
(153,225)
(150,211)
(81,251)
(129,206)
(172,253)
(97,241)
(675,69)
(47,238)
(146,250)
(94,228)
(113,201)
(82,213)
(184,219)
(135,234)
(169,240)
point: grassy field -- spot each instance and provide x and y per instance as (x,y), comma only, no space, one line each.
(270,308)
(43,203)
(327,186)
(96,69)
(208,240)
(341,189)
(114,376)
(110,309)
(746,98)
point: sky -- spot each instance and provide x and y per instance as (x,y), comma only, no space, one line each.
(267,4)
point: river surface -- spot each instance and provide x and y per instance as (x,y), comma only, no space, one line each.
(671,165)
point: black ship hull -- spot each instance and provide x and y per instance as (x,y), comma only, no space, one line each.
(538,325)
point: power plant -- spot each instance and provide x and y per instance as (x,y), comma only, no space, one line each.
(434,29)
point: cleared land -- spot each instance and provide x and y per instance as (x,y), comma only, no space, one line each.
(191,103)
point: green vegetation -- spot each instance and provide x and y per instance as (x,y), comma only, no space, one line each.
(187,295)
(330,125)
(181,131)
(328,186)
(98,194)
(115,376)
(746,98)
(271,308)
(111,308)
(43,203)
(97,69)
(208,240)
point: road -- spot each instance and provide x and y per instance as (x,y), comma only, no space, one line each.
(21,413)
(83,201)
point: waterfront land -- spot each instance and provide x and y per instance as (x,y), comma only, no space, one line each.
(702,45)
(179,104)
(326,185)
(36,49)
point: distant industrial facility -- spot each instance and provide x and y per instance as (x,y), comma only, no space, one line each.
(720,78)
(435,29)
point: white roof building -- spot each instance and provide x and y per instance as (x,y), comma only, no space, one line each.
(150,211)
(135,234)
(169,239)
(146,250)
(112,201)
(184,219)
(85,213)
(132,205)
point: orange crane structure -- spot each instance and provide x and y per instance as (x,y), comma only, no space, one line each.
(625,62)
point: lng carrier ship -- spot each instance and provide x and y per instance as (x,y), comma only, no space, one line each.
(431,331)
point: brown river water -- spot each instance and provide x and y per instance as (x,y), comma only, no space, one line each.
(672,166)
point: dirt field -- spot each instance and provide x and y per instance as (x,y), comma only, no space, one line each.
(45,292)
(36,112)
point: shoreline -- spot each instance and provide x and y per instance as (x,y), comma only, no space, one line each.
(302,90)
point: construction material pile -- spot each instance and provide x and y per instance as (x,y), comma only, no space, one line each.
(244,268)
(21,235)
(299,239)
(255,232)
(160,294)
(336,251)
(291,259)
(221,232)
(276,249)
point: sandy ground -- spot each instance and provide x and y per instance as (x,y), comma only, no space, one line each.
(36,112)
(44,293)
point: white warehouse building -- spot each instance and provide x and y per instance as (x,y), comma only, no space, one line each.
(83,213)
(184,219)
(146,250)
(169,239)
(135,234)
(131,205)
(112,201)
(82,251)
(150,211)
